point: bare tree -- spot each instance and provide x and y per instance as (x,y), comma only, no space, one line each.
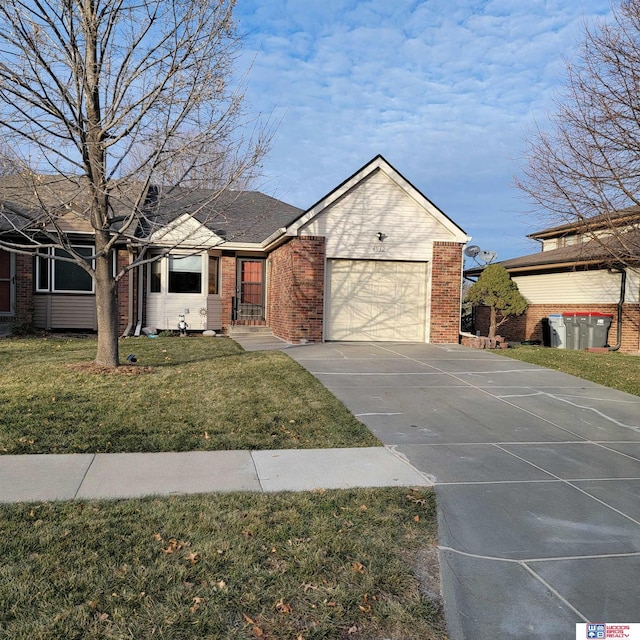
(586,170)
(104,97)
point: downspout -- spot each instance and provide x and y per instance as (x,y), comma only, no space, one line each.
(623,286)
(141,296)
(127,329)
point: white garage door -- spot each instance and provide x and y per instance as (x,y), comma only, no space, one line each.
(376,300)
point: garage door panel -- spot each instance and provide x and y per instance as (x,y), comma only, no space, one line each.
(376,300)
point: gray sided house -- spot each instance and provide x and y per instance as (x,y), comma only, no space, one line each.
(589,266)
(374,260)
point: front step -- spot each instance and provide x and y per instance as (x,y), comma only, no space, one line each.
(249,330)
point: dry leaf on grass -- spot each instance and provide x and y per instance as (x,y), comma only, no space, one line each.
(283,607)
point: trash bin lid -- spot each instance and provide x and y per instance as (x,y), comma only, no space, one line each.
(591,314)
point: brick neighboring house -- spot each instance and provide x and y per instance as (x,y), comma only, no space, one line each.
(574,272)
(372,260)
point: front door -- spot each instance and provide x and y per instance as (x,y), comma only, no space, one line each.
(6,282)
(250,289)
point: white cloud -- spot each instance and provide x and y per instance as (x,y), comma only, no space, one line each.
(443,90)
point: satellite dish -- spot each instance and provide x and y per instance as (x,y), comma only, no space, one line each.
(487,256)
(472,251)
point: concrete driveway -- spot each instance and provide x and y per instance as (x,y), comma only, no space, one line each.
(537,475)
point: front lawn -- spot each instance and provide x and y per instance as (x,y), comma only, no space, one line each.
(182,394)
(358,564)
(616,370)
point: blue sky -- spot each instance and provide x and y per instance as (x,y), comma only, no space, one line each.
(445,90)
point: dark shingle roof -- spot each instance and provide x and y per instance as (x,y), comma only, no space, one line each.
(241,216)
(28,200)
(629,215)
(610,251)
(246,216)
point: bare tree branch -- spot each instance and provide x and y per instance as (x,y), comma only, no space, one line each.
(103,100)
(586,170)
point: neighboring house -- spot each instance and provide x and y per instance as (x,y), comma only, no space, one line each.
(372,260)
(574,272)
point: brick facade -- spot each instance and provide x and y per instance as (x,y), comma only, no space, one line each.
(24,287)
(528,326)
(296,289)
(446,287)
(227,288)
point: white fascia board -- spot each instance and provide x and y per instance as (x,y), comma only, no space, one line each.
(275,239)
(425,203)
(241,246)
(292,229)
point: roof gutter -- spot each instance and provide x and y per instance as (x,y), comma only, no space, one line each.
(623,287)
(275,239)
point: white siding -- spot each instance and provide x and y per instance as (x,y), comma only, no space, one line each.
(632,295)
(163,311)
(584,287)
(185,231)
(375,205)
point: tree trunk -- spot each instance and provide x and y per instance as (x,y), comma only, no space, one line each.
(106,309)
(493,323)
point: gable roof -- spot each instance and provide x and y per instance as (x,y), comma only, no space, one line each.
(30,200)
(234,216)
(247,216)
(378,163)
(629,215)
(605,252)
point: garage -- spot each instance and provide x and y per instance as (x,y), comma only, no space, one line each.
(376,300)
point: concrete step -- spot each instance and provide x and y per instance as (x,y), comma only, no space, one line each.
(249,330)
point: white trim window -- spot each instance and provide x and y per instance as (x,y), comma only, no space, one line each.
(57,276)
(177,273)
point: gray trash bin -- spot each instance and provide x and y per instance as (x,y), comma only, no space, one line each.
(586,329)
(557,331)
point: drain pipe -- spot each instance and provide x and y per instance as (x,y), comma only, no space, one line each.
(140,298)
(623,287)
(127,330)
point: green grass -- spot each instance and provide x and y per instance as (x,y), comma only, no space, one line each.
(189,394)
(616,370)
(334,564)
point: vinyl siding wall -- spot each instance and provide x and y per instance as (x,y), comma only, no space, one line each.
(583,287)
(62,311)
(377,205)
(163,311)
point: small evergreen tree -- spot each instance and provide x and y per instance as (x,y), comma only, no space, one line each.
(495,289)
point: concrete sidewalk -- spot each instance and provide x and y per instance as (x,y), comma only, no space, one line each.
(25,478)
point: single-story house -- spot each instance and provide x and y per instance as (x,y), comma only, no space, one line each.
(585,266)
(372,260)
